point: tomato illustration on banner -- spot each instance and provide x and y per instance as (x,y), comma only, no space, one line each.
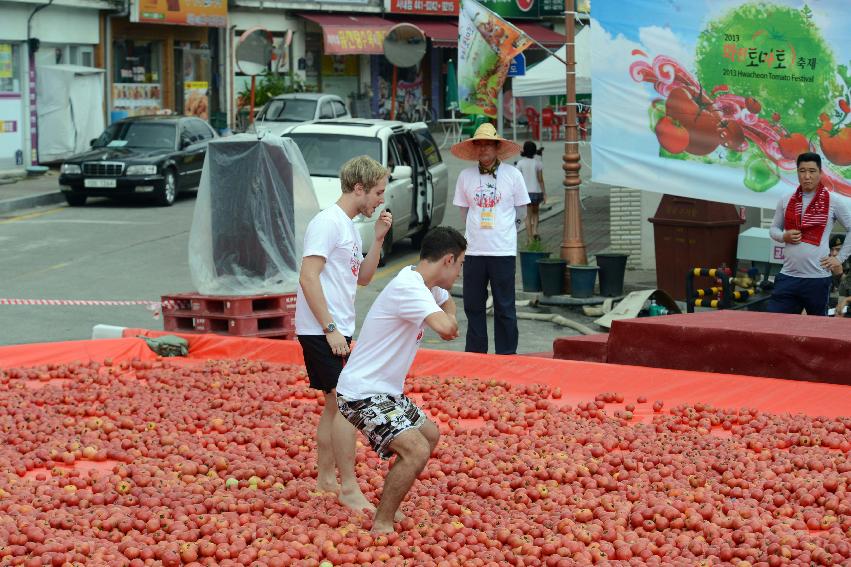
(730,97)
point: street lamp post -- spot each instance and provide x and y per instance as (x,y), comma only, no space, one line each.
(572,246)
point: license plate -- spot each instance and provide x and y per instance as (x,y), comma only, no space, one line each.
(101,183)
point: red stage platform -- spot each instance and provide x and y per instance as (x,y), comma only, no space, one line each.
(796,347)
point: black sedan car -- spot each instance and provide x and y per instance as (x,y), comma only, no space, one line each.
(154,155)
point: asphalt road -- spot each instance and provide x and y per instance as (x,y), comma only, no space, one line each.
(111,251)
(128,251)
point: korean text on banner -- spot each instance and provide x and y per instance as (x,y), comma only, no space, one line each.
(486,46)
(717,103)
(208,13)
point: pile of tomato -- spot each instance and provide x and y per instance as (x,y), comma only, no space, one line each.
(213,463)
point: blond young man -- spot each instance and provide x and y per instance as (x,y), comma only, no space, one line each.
(332,267)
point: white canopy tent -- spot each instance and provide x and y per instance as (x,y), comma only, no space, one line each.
(547,77)
(70,109)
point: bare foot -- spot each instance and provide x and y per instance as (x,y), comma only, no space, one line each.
(398,516)
(329,485)
(356,501)
(382,529)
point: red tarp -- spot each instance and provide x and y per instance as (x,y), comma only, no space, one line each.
(578,380)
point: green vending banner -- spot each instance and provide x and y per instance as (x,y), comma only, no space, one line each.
(486,46)
(716,99)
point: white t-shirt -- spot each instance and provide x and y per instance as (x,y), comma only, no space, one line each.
(490,219)
(530,167)
(389,338)
(332,235)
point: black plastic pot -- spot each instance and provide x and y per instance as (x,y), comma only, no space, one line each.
(552,275)
(612,268)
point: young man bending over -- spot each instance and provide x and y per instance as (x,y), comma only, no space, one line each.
(369,392)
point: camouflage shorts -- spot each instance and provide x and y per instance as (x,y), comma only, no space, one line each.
(382,418)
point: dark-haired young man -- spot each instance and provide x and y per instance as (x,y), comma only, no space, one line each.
(369,392)
(804,221)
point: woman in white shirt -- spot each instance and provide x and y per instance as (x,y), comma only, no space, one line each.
(533,174)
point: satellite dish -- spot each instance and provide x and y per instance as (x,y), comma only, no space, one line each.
(404,45)
(254,51)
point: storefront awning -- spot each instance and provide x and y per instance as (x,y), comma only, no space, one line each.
(542,35)
(351,35)
(442,33)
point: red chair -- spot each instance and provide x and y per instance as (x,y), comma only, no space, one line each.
(532,119)
(552,122)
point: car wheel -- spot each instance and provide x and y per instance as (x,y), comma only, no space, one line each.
(168,193)
(75,199)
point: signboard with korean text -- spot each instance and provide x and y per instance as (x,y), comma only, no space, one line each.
(716,100)
(208,13)
(428,7)
(516,9)
(340,40)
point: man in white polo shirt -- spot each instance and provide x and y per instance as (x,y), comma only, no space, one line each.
(370,390)
(332,267)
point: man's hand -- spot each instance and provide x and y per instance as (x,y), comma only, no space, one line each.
(338,344)
(792,236)
(382,225)
(832,263)
(453,334)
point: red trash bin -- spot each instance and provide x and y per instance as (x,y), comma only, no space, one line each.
(692,233)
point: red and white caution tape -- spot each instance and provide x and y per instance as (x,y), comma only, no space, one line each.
(153,306)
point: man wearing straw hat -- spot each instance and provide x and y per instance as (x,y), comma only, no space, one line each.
(492,196)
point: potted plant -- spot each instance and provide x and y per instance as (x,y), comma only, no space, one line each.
(529,256)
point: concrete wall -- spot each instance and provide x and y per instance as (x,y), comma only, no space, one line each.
(54,24)
(631,232)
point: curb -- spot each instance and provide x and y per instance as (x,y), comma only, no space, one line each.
(18,203)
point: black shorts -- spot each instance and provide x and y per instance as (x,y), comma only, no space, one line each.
(536,198)
(323,366)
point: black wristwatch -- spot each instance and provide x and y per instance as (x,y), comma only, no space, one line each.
(330,328)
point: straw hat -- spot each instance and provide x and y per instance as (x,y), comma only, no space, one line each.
(466,150)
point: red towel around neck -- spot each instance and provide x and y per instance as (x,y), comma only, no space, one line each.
(812,222)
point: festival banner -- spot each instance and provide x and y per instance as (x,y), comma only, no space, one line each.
(486,46)
(715,100)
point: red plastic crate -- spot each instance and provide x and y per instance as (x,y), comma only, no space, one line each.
(240,326)
(228,305)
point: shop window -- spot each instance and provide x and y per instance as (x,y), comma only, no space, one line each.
(137,76)
(10,68)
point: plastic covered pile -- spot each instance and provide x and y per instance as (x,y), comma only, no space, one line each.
(253,206)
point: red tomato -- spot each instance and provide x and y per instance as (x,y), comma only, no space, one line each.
(793,145)
(753,105)
(703,133)
(673,137)
(681,106)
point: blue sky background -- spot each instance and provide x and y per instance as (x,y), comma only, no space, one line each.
(628,16)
